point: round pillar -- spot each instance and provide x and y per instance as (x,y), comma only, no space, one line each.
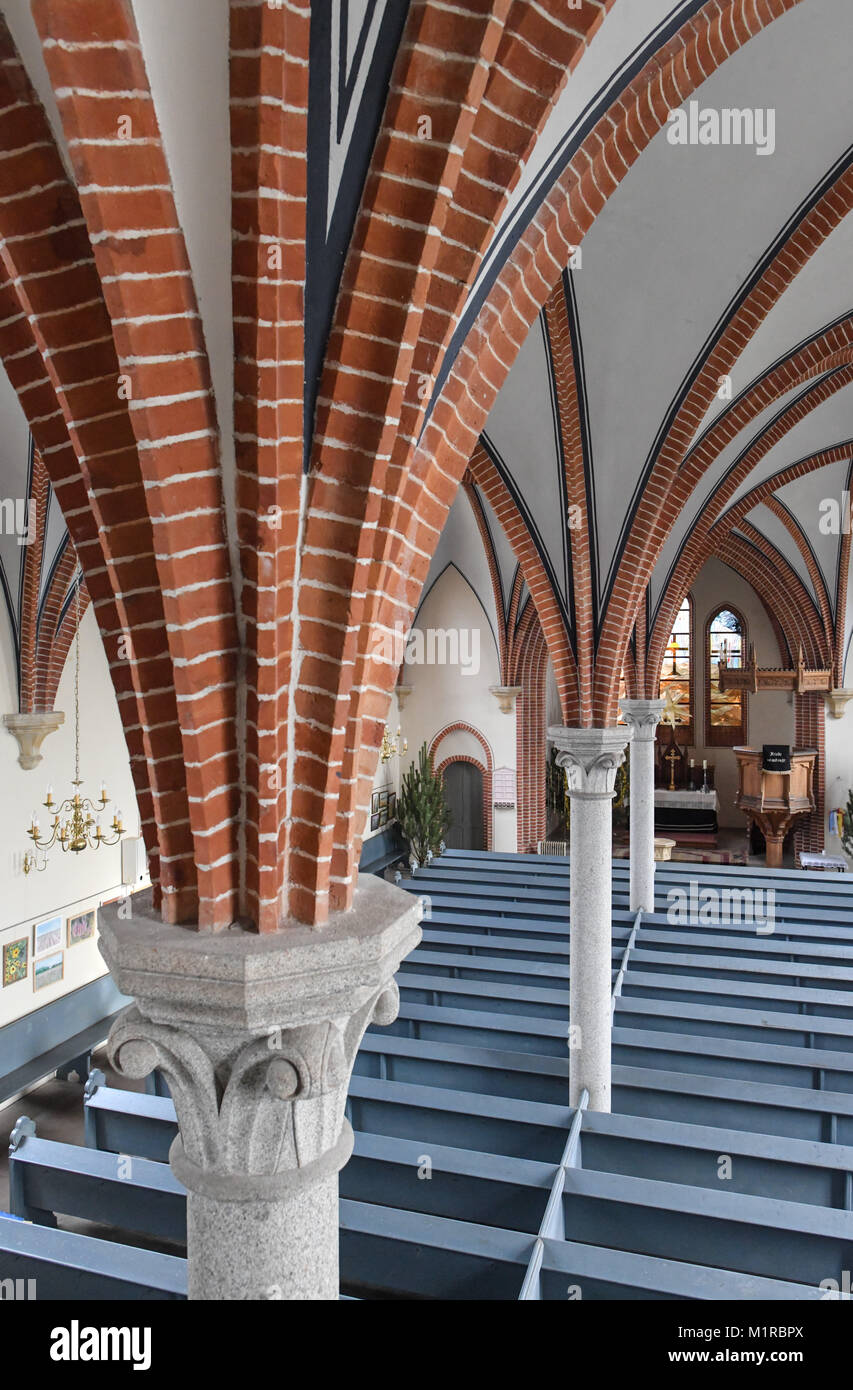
(280,1246)
(590,758)
(642,718)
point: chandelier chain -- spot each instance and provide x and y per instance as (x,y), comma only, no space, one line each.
(78,578)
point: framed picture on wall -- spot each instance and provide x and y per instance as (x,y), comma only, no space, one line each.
(392,805)
(374,803)
(80,927)
(16,959)
(374,821)
(383,816)
(48,970)
(383,801)
(47,936)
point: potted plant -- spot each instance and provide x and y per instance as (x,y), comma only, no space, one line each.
(422,809)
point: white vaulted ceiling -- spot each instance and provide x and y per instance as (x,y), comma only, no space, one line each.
(523,439)
(664,268)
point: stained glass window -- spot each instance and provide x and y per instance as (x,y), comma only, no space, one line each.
(677,669)
(725,717)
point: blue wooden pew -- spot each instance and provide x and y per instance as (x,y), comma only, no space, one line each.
(66,1266)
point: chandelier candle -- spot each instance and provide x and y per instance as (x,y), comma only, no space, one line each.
(74,827)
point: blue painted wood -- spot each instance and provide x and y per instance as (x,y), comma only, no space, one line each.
(823,1115)
(129,1122)
(388,847)
(724,1042)
(484,1070)
(65,1265)
(45,1041)
(768,1063)
(761,1165)
(544,1036)
(596,1273)
(479,994)
(116,1189)
(754,1235)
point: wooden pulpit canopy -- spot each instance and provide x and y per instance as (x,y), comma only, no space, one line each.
(753,678)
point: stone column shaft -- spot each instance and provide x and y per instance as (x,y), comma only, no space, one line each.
(266,1249)
(642,718)
(590,758)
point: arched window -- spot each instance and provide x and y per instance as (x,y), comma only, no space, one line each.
(676,673)
(725,711)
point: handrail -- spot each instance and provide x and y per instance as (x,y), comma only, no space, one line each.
(620,976)
(552,1226)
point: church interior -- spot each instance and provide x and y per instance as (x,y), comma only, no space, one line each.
(426,650)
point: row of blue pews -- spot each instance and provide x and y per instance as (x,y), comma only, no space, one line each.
(727,1161)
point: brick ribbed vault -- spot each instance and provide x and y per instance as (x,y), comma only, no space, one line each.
(523,662)
(328,563)
(42,614)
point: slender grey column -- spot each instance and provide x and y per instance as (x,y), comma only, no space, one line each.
(642,718)
(590,758)
(257,1036)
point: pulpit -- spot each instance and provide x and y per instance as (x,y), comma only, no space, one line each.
(775,796)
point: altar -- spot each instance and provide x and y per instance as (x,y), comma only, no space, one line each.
(687,816)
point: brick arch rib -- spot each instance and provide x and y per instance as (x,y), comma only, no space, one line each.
(693,551)
(36,390)
(269,55)
(529,671)
(167,430)
(533,571)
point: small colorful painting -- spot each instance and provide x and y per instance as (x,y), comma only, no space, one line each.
(47,936)
(81,927)
(374,803)
(392,805)
(48,971)
(383,816)
(374,821)
(16,955)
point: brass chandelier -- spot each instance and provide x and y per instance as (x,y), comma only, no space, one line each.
(393,748)
(75,825)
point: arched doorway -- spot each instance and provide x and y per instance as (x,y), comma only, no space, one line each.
(463,785)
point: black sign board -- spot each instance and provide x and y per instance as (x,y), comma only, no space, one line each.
(776,757)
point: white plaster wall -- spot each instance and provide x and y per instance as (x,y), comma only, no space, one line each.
(459,744)
(70,882)
(387,775)
(443,695)
(770,713)
(839,767)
